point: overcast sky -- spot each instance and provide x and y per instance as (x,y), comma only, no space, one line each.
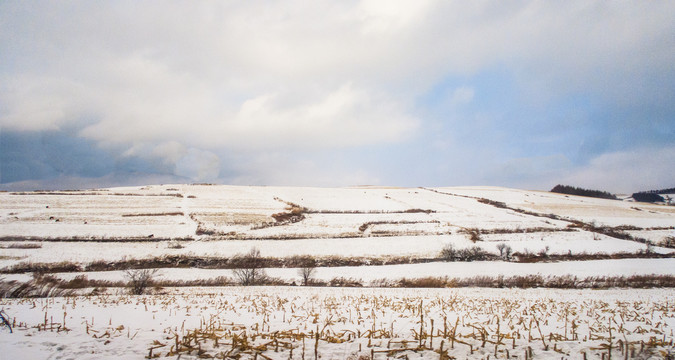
(524,94)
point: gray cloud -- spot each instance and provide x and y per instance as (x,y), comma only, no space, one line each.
(627,171)
(185,88)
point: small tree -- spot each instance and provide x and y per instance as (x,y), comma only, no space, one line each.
(507,252)
(501,247)
(504,251)
(249,269)
(307,269)
(139,280)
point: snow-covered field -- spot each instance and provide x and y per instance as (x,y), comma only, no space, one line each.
(105,226)
(335,323)
(361,221)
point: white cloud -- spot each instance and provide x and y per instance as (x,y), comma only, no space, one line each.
(186,80)
(287,168)
(627,171)
(198,165)
(381,16)
(202,62)
(617,172)
(342,118)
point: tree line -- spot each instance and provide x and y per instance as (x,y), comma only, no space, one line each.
(572,190)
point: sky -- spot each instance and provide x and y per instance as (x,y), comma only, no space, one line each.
(523,94)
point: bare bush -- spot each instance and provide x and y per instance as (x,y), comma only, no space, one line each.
(474,234)
(294,214)
(40,286)
(139,280)
(474,253)
(250,270)
(174,245)
(427,282)
(345,282)
(448,253)
(668,241)
(23,246)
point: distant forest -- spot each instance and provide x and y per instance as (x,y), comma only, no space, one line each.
(652,196)
(571,190)
(662,191)
(648,197)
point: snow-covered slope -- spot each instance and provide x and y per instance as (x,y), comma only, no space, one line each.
(119,224)
(398,232)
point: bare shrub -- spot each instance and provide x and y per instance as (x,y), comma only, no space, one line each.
(345,282)
(448,253)
(474,253)
(668,241)
(250,268)
(562,282)
(383,283)
(427,282)
(25,267)
(494,203)
(474,234)
(139,280)
(413,211)
(217,281)
(294,214)
(23,246)
(526,281)
(78,282)
(39,287)
(175,213)
(204,231)
(174,245)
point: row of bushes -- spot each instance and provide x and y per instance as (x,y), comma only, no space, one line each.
(137,282)
(541,281)
(448,253)
(153,239)
(49,286)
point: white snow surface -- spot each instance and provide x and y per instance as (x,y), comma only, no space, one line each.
(359,221)
(126,327)
(380,222)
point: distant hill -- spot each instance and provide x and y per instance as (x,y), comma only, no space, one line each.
(571,190)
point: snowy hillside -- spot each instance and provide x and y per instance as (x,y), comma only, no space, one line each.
(85,248)
(367,225)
